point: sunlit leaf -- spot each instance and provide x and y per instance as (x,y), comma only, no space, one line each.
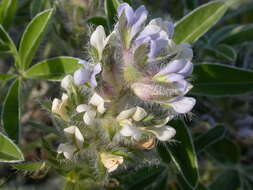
(32,36)
(9,152)
(5,77)
(7,12)
(30,166)
(190,28)
(54,68)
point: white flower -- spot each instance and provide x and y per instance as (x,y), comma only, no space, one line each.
(99,40)
(182,105)
(67,149)
(96,104)
(126,118)
(111,161)
(139,114)
(73,134)
(129,130)
(67,82)
(164,133)
(59,107)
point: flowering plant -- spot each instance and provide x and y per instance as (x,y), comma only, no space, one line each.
(120,101)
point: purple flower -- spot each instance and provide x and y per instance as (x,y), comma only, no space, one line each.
(87,74)
(135,19)
(158,34)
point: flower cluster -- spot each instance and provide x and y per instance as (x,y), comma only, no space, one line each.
(125,96)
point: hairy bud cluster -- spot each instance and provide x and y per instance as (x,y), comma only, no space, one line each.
(124,97)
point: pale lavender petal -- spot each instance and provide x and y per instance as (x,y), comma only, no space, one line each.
(181,85)
(129,15)
(183,104)
(173,77)
(173,67)
(121,8)
(156,46)
(97,69)
(81,76)
(149,31)
(187,70)
(169,28)
(141,15)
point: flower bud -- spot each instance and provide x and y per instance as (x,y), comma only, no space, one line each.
(73,134)
(68,150)
(67,82)
(111,161)
(149,144)
(59,107)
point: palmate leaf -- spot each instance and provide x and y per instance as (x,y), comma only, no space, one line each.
(190,28)
(9,152)
(182,154)
(54,68)
(32,37)
(11,111)
(221,80)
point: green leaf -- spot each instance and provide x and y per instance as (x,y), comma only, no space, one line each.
(229,180)
(222,52)
(220,34)
(30,166)
(198,22)
(111,7)
(11,111)
(32,37)
(183,154)
(5,77)
(238,35)
(42,127)
(210,137)
(54,68)
(6,40)
(7,12)
(145,178)
(9,152)
(225,152)
(37,6)
(98,20)
(221,80)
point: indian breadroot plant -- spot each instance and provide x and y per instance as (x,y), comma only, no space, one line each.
(119,102)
